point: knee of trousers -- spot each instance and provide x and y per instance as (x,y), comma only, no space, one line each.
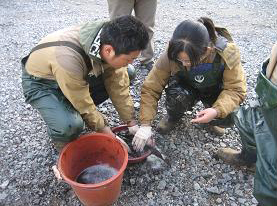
(181,101)
(67,130)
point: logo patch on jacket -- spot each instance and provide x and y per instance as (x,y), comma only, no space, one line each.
(95,46)
(199,78)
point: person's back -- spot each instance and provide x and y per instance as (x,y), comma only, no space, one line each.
(43,62)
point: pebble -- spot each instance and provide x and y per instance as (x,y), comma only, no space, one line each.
(149,195)
(218,200)
(222,144)
(137,105)
(3,196)
(213,190)
(133,181)
(241,200)
(196,186)
(254,201)
(4,184)
(161,185)
(239,192)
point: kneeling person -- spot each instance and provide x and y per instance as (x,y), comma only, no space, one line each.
(201,63)
(72,70)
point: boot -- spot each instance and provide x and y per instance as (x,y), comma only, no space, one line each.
(165,125)
(219,131)
(237,158)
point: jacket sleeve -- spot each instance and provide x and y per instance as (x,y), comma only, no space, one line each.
(152,89)
(234,82)
(117,85)
(76,90)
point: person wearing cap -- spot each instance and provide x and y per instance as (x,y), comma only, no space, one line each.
(201,63)
(73,70)
(145,11)
(257,127)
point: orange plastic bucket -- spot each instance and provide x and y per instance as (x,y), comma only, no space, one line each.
(88,150)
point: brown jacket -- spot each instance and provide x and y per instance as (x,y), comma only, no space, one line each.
(234,83)
(68,68)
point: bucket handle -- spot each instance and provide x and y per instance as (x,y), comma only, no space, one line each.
(57,173)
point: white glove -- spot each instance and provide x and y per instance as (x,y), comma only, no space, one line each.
(133,130)
(141,137)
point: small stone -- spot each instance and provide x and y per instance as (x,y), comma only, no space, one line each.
(149,195)
(241,200)
(4,184)
(232,172)
(136,105)
(176,194)
(3,196)
(239,192)
(162,185)
(218,200)
(254,201)
(222,144)
(213,190)
(206,153)
(133,181)
(103,109)
(196,186)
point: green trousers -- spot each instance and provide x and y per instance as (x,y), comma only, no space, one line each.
(63,121)
(258,130)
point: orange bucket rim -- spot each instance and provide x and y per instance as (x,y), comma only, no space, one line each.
(97,185)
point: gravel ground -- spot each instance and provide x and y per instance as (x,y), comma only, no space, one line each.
(196,177)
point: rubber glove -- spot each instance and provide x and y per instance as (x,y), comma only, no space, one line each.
(141,137)
(133,129)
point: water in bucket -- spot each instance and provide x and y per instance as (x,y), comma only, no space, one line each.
(96,173)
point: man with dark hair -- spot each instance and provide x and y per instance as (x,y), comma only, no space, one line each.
(72,70)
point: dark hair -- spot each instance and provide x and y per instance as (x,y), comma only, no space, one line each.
(125,34)
(193,38)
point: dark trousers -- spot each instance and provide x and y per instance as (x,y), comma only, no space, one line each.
(63,121)
(181,98)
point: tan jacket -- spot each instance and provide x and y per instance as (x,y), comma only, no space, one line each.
(68,68)
(234,83)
